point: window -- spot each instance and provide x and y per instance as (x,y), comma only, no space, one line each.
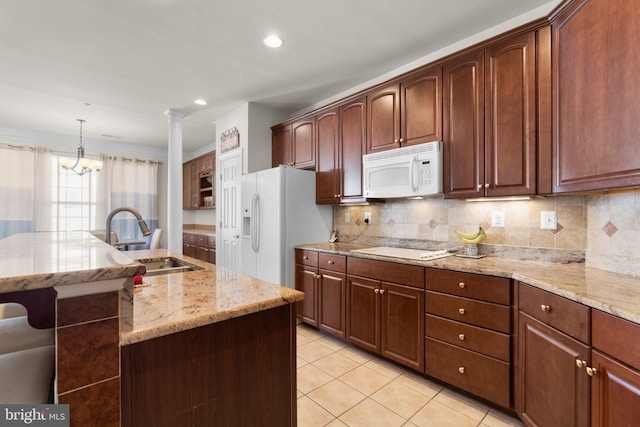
(73,199)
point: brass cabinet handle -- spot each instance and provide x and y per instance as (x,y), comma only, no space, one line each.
(395,141)
(581,363)
(487,185)
(479,187)
(317,276)
(381,291)
(461,310)
(591,371)
(376,290)
(461,369)
(331,262)
(305,257)
(401,140)
(461,337)
(337,196)
(545,307)
(462,285)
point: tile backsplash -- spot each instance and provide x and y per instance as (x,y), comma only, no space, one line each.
(603,227)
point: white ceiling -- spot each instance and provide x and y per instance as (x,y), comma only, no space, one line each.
(132,60)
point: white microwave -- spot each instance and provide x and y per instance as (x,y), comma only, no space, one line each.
(413,171)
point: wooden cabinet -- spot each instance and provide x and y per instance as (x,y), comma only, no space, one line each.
(490,121)
(198,183)
(307,282)
(468,332)
(615,370)
(595,96)
(281,149)
(385,317)
(340,142)
(553,334)
(406,112)
(199,246)
(293,144)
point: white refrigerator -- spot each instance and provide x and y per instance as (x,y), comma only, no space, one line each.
(279,211)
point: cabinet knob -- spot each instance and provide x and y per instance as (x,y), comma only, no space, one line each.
(479,187)
(461,337)
(339,195)
(305,257)
(461,310)
(317,276)
(462,285)
(487,185)
(591,371)
(544,307)
(581,363)
(395,141)
(401,140)
(381,291)
(461,369)
(331,262)
(376,290)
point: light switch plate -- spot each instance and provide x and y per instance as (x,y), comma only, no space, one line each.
(367,217)
(497,219)
(548,220)
(347,217)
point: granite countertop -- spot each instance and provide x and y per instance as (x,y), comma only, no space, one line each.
(610,292)
(201,231)
(170,303)
(43,260)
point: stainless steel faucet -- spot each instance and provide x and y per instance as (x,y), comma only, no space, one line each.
(141,223)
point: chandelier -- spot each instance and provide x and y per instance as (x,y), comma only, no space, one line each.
(81,164)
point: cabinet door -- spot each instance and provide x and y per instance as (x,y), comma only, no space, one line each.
(327,173)
(383,119)
(307,282)
(202,253)
(186,186)
(195,185)
(363,312)
(304,146)
(596,92)
(402,325)
(331,299)
(510,115)
(281,146)
(353,123)
(190,250)
(553,390)
(463,112)
(615,393)
(421,110)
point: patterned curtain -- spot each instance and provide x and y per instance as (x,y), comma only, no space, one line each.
(133,183)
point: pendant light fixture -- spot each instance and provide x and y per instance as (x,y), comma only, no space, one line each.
(81,165)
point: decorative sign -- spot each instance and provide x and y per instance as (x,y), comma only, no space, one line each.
(229,139)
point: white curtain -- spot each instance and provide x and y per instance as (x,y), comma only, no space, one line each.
(43,191)
(126,182)
(16,190)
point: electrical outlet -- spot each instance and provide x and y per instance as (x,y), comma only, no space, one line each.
(497,219)
(548,220)
(367,217)
(347,217)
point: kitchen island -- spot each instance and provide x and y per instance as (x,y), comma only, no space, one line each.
(187,348)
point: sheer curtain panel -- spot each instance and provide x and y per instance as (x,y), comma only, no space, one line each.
(17,164)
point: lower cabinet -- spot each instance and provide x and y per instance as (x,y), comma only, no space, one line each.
(385,317)
(468,333)
(199,246)
(615,387)
(553,389)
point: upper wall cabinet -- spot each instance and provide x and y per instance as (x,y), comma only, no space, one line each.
(340,141)
(596,100)
(405,113)
(294,144)
(198,183)
(490,116)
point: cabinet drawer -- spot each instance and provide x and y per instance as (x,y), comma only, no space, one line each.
(485,341)
(332,262)
(479,313)
(484,376)
(404,274)
(306,257)
(617,337)
(477,286)
(190,238)
(203,240)
(211,241)
(561,313)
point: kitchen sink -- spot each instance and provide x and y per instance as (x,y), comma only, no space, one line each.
(167,265)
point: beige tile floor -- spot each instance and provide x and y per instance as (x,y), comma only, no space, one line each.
(340,385)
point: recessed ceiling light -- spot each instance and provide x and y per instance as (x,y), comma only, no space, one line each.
(200,102)
(273,41)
